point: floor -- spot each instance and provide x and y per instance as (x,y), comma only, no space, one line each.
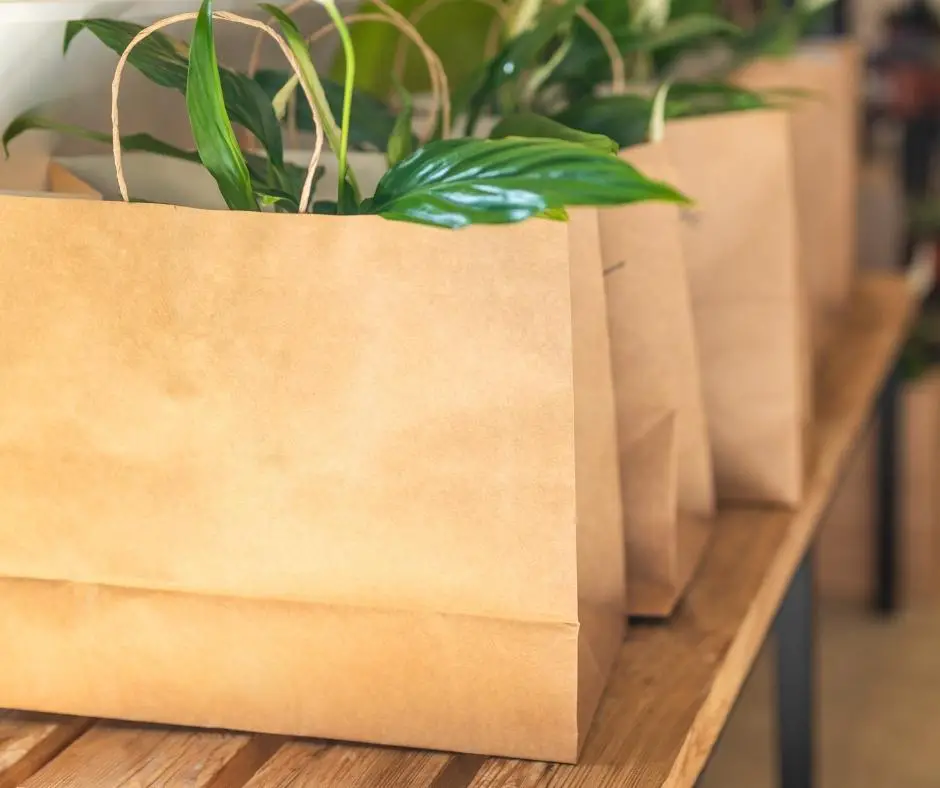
(879,710)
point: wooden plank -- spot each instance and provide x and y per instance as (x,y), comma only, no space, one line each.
(115,755)
(317,765)
(29,741)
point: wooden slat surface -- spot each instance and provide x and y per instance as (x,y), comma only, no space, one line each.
(116,755)
(666,704)
(302,765)
(28,741)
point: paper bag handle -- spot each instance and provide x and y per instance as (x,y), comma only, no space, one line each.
(440,89)
(618,69)
(307,190)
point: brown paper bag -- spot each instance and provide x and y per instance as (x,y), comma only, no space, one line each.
(665,462)
(334,477)
(825,161)
(741,254)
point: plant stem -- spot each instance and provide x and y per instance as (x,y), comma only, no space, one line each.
(350,54)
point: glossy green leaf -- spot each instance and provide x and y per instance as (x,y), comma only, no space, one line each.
(212,130)
(455,183)
(401,143)
(165,61)
(528,124)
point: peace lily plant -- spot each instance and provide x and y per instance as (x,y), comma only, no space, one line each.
(559,70)
(446,183)
(596,66)
(555,65)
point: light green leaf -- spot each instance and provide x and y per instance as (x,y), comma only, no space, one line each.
(554,215)
(455,183)
(528,124)
(298,45)
(212,130)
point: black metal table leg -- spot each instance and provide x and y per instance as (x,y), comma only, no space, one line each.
(888,477)
(795,631)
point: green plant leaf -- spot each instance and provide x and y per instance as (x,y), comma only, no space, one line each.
(554,215)
(375,43)
(776,34)
(212,130)
(401,143)
(528,124)
(588,65)
(519,54)
(165,61)
(261,169)
(624,119)
(298,45)
(373,120)
(709,98)
(455,183)
(281,201)
(32,121)
(693,28)
(325,208)
(161,58)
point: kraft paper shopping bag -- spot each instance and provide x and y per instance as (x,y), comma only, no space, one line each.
(256,468)
(824,125)
(665,461)
(741,252)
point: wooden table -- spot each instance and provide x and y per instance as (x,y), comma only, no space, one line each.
(669,697)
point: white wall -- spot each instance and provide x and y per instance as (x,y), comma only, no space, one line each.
(34,73)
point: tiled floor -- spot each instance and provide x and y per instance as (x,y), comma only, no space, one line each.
(879,708)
